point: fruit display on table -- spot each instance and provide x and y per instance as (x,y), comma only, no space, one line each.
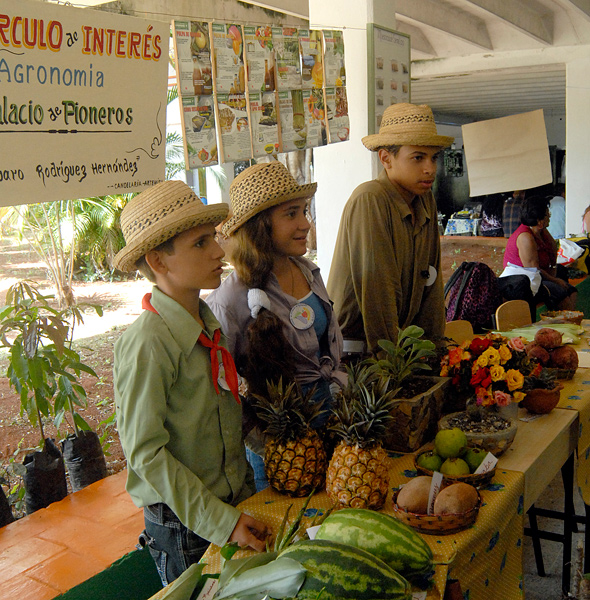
(455,508)
(454,458)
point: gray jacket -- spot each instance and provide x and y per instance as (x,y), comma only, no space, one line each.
(229,304)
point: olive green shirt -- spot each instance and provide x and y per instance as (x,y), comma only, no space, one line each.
(182,440)
(381,264)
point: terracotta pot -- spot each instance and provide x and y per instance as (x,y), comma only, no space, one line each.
(541,402)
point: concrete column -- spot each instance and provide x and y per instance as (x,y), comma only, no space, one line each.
(339,168)
(577,134)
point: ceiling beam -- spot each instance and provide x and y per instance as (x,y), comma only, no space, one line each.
(418,40)
(582,7)
(534,21)
(445,17)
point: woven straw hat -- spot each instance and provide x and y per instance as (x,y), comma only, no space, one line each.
(158,214)
(260,187)
(407,124)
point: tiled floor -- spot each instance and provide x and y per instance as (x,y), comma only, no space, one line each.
(56,548)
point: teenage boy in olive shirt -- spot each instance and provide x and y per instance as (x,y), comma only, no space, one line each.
(178,417)
(386,269)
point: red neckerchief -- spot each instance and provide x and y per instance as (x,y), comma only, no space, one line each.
(231,374)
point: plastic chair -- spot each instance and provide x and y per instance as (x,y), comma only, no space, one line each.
(459,331)
(512,314)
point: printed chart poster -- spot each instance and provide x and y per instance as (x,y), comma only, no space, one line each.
(264,121)
(198,117)
(292,119)
(228,48)
(193,58)
(260,58)
(234,127)
(286,45)
(312,68)
(334,58)
(389,68)
(337,113)
(315,116)
(69,127)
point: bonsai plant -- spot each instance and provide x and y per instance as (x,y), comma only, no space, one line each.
(44,370)
(399,368)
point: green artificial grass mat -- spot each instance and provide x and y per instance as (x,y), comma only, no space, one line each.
(133,577)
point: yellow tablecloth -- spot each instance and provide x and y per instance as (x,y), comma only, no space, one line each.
(489,554)
(576,396)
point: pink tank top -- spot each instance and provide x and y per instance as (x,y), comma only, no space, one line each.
(544,247)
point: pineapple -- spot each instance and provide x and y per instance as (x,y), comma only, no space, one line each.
(357,474)
(295,460)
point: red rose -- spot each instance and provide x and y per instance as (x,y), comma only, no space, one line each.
(479,345)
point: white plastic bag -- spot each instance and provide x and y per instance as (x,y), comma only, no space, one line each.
(568,252)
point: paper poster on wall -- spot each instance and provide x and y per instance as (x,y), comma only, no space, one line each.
(228,52)
(337,114)
(288,65)
(334,58)
(68,127)
(264,124)
(495,166)
(388,71)
(193,57)
(200,139)
(260,58)
(312,66)
(234,127)
(315,116)
(292,119)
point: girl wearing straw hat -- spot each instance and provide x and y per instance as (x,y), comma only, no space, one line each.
(385,273)
(274,307)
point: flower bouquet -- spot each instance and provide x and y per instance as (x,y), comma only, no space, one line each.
(493,370)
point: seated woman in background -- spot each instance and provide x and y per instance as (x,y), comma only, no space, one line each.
(491,216)
(586,220)
(530,262)
(274,307)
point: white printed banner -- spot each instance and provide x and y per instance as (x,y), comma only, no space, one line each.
(82,102)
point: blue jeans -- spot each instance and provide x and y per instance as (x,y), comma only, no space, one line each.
(173,546)
(257,463)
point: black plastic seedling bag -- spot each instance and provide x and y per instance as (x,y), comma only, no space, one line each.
(6,515)
(45,477)
(84,459)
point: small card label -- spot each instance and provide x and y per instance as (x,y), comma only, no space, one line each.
(311,531)
(435,486)
(418,595)
(208,590)
(487,464)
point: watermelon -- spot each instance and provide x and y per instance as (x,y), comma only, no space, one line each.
(394,542)
(342,572)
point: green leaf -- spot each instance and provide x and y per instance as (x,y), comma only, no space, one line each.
(229,549)
(81,423)
(281,578)
(233,567)
(387,345)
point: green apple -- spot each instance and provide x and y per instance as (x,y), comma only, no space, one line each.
(430,460)
(450,443)
(455,466)
(474,457)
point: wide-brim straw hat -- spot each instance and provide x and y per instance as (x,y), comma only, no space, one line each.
(407,124)
(158,214)
(260,187)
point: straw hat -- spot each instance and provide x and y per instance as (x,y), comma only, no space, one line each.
(407,124)
(158,214)
(260,187)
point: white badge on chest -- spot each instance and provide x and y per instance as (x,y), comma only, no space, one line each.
(302,316)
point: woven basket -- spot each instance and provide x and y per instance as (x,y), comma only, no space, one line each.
(474,480)
(563,316)
(437,524)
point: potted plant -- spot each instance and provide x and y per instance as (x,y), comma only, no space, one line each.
(44,370)
(403,366)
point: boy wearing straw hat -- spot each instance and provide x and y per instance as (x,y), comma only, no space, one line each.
(176,387)
(385,271)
